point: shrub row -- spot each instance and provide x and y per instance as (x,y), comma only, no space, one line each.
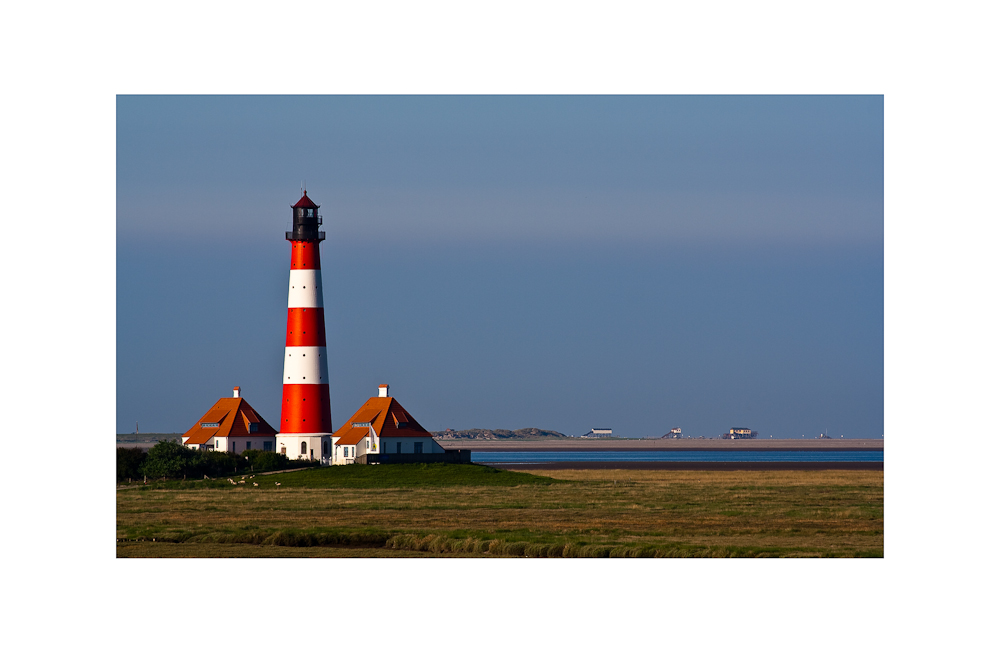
(169,459)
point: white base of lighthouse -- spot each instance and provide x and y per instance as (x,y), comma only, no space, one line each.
(305,446)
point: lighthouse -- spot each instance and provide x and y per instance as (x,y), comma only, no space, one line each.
(305,428)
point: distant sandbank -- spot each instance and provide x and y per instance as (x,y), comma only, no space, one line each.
(690,465)
(623,444)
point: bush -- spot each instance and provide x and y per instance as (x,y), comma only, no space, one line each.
(173,461)
(217,464)
(262,461)
(130,460)
(167,458)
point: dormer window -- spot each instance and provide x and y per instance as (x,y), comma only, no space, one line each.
(360,424)
(210,424)
(253,427)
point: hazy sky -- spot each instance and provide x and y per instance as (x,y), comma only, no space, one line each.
(636,263)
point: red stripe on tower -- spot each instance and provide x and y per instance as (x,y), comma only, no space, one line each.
(305,327)
(305,398)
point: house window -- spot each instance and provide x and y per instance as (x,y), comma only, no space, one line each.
(303,448)
(283,451)
(248,445)
(418,448)
(253,427)
(216,445)
(399,448)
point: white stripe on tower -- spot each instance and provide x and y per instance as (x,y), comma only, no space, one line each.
(305,289)
(305,365)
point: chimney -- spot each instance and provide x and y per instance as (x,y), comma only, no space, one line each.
(236,392)
(383,390)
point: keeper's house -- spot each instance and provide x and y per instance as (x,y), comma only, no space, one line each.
(382,431)
(231,425)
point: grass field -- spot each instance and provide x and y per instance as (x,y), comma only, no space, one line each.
(405,476)
(464,510)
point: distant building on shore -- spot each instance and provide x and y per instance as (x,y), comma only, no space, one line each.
(740,433)
(674,433)
(598,433)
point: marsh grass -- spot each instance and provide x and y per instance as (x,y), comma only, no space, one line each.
(588,513)
(203,550)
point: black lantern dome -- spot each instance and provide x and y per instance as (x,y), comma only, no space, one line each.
(306,221)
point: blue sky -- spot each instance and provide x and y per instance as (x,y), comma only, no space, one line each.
(637,262)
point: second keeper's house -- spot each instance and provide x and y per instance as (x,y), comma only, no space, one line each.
(382,431)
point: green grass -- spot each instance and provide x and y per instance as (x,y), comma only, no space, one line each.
(398,476)
(407,475)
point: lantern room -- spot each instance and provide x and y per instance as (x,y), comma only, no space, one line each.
(306,221)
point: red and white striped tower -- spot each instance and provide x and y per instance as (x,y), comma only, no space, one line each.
(305,398)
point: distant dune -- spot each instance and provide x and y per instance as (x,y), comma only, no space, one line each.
(497,434)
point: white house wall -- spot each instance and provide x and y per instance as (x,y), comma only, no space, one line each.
(292,443)
(236,444)
(346,454)
(341,454)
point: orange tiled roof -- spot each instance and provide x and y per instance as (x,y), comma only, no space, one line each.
(233,416)
(350,436)
(199,436)
(388,419)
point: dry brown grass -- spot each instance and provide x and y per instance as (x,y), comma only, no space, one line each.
(798,513)
(169,550)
